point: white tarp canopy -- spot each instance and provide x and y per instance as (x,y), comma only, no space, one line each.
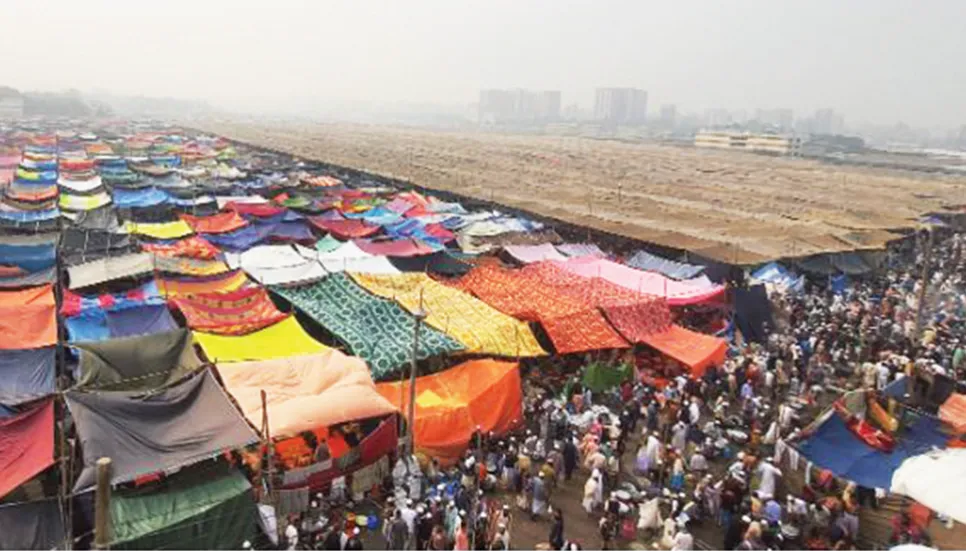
(936,479)
(276,265)
(350,258)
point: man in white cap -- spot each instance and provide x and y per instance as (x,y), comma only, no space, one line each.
(291,533)
(683,540)
(409,517)
(539,497)
(769,474)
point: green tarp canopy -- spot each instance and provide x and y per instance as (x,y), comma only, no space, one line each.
(203,508)
(599,377)
(137,363)
(377,330)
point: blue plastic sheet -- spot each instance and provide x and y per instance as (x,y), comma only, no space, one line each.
(32,258)
(242,239)
(147,197)
(98,325)
(834,447)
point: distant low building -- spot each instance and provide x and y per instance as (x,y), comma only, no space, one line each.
(772,144)
(11,103)
(519,106)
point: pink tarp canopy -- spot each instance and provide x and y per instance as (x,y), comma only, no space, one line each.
(677,293)
(534,253)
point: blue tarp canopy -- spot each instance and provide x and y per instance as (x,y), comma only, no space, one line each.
(644,260)
(98,325)
(242,239)
(26,374)
(32,258)
(833,446)
(147,197)
(776,274)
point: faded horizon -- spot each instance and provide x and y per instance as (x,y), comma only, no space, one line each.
(878,61)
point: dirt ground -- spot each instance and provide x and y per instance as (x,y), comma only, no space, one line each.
(734,207)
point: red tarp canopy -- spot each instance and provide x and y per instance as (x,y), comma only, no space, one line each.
(231,313)
(344,229)
(695,350)
(222,222)
(261,210)
(26,445)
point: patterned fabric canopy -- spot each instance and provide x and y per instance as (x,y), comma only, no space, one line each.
(377,330)
(481,328)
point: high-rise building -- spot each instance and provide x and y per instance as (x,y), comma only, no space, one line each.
(717,118)
(669,115)
(519,106)
(621,105)
(779,119)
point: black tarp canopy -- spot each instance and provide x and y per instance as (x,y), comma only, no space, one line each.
(136,363)
(157,432)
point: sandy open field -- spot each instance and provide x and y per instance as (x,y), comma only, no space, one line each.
(734,207)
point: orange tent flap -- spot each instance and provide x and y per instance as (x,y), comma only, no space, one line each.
(28,318)
(451,404)
(305,392)
(953,411)
(695,350)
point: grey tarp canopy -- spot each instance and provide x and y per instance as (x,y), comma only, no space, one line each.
(644,260)
(148,433)
(32,525)
(137,363)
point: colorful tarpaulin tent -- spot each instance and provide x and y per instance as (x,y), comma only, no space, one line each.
(345,229)
(26,445)
(936,479)
(285,338)
(241,239)
(452,403)
(26,375)
(350,258)
(581,249)
(394,247)
(201,508)
(160,230)
(677,293)
(377,330)
(181,265)
(479,327)
(161,431)
(187,286)
(571,324)
(233,313)
(28,318)
(222,222)
(193,246)
(646,261)
(99,325)
(695,350)
(136,363)
(29,254)
(305,392)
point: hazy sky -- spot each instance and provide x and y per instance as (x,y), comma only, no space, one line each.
(876,60)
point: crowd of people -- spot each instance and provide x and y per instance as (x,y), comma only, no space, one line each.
(667,458)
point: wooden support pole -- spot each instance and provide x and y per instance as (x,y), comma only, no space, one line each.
(102,505)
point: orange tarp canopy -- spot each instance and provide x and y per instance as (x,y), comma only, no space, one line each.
(222,222)
(452,403)
(695,350)
(28,318)
(305,392)
(953,411)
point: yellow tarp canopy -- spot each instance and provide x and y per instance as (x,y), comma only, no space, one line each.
(161,230)
(285,338)
(305,392)
(175,287)
(479,327)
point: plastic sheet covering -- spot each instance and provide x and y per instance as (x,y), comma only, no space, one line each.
(241,239)
(80,186)
(73,304)
(194,246)
(695,350)
(26,445)
(233,313)
(534,253)
(68,201)
(953,412)
(305,392)
(28,318)
(26,375)
(48,275)
(160,230)
(136,363)
(477,326)
(209,507)
(157,432)
(350,258)
(644,260)
(936,479)
(147,197)
(377,330)
(441,263)
(31,255)
(452,403)
(345,229)
(186,286)
(285,338)
(32,525)
(109,269)
(677,293)
(222,222)
(97,325)
(581,249)
(277,265)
